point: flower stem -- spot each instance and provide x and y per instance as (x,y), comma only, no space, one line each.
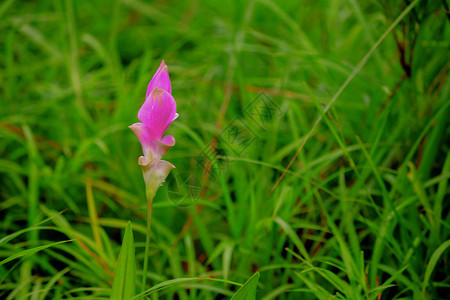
(150,195)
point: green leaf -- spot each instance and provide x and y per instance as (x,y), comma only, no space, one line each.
(173,282)
(124,284)
(433,262)
(293,236)
(248,290)
(30,251)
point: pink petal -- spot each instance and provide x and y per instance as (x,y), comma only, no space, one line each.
(146,137)
(168,140)
(144,133)
(152,146)
(158,111)
(160,80)
(159,148)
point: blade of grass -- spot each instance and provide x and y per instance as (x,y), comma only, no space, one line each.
(293,236)
(52,282)
(248,290)
(30,251)
(124,284)
(432,264)
(93,214)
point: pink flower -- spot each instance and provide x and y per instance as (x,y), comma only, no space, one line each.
(156,114)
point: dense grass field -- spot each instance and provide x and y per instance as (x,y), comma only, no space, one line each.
(312,149)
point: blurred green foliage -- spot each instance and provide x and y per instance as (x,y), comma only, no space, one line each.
(265,90)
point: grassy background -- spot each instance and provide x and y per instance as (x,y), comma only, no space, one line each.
(361,210)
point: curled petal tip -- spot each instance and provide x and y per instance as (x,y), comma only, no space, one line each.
(142,161)
(163,169)
(168,140)
(134,126)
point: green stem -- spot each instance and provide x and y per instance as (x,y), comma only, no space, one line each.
(150,196)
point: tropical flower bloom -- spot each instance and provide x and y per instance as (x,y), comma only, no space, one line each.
(156,114)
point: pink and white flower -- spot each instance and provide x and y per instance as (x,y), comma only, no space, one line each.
(156,114)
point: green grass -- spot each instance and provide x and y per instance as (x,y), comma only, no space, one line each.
(342,192)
